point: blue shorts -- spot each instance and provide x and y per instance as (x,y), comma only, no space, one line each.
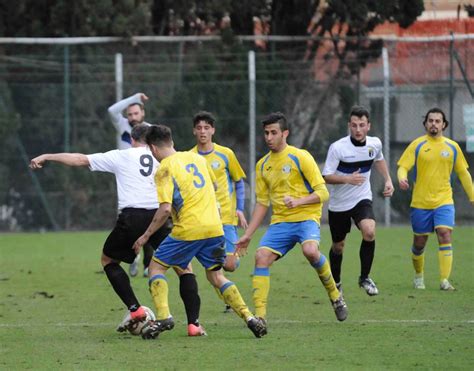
(424,221)
(282,237)
(231,237)
(209,252)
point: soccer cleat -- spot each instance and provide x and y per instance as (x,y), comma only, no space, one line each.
(258,326)
(419,283)
(339,287)
(138,315)
(133,269)
(145,272)
(227,309)
(131,318)
(369,286)
(340,308)
(123,326)
(446,286)
(194,330)
(153,328)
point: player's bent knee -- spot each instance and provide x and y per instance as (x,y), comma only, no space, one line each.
(338,247)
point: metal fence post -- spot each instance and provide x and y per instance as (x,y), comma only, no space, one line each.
(251,72)
(386,123)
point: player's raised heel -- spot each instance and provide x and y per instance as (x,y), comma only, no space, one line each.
(446,286)
(153,328)
(369,286)
(194,330)
(340,308)
(258,326)
(138,315)
(131,318)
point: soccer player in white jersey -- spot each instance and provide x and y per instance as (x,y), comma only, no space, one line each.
(347,172)
(135,112)
(134,171)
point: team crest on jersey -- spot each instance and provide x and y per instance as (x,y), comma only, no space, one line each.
(444,154)
(371,152)
(286,169)
(215,164)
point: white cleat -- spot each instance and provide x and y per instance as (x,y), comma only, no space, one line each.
(123,326)
(369,286)
(446,286)
(419,283)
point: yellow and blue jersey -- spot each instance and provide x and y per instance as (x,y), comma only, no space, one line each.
(227,171)
(292,172)
(433,160)
(185,181)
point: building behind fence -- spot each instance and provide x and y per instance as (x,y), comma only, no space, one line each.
(54,98)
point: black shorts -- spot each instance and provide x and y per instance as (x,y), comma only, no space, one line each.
(131,224)
(340,221)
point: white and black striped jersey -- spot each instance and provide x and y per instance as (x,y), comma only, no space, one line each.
(134,171)
(344,158)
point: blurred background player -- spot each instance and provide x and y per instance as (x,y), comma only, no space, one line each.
(347,172)
(134,171)
(186,191)
(433,158)
(230,183)
(289,180)
(135,114)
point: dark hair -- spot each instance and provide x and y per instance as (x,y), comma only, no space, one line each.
(276,117)
(137,104)
(159,135)
(359,111)
(436,110)
(204,116)
(139,132)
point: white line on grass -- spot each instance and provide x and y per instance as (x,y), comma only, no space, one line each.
(88,324)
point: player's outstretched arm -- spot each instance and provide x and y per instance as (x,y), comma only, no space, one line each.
(69,159)
(160,217)
(402,175)
(257,217)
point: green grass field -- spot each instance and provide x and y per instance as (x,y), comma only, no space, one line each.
(58,312)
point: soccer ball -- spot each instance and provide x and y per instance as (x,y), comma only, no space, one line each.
(136,327)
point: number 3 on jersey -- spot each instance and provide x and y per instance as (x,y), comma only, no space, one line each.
(192,168)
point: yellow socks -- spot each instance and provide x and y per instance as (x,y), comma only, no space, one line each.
(445,257)
(261,289)
(418,259)
(233,298)
(159,293)
(325,275)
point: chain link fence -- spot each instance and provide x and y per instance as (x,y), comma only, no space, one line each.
(54,98)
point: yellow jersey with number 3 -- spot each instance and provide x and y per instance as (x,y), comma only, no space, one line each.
(185,180)
(292,172)
(433,161)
